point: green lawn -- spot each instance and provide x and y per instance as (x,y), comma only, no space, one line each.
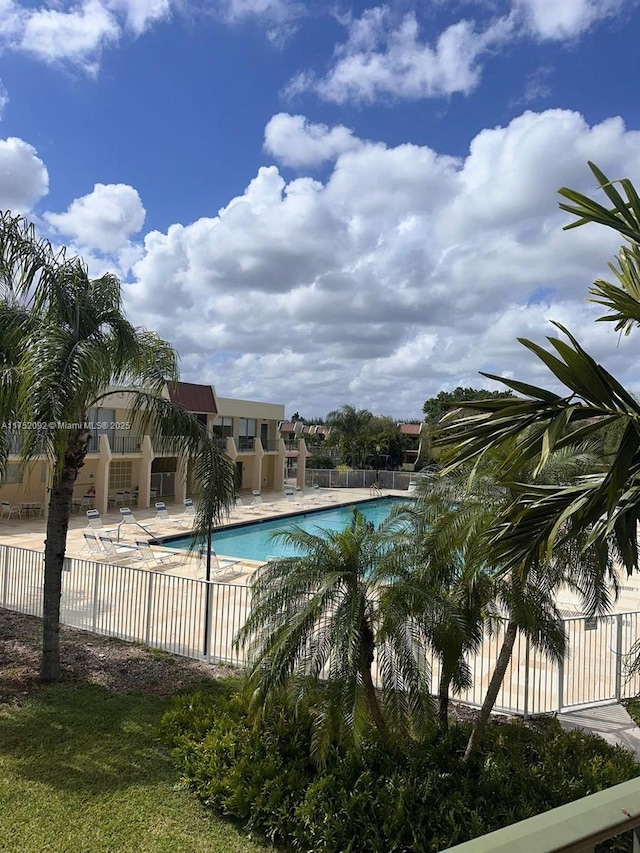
(82,771)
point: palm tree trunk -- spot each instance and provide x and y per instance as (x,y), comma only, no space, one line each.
(443,698)
(377,716)
(54,550)
(497,678)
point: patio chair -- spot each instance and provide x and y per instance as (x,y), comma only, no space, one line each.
(219,568)
(155,558)
(8,511)
(118,553)
(93,519)
(189,508)
(162,513)
(91,544)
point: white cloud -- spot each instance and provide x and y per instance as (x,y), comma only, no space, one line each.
(273,10)
(564,19)
(296,142)
(385,56)
(24,179)
(405,272)
(140,14)
(382,59)
(77,35)
(103,220)
(4,98)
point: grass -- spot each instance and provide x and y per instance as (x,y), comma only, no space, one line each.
(83,771)
(633,709)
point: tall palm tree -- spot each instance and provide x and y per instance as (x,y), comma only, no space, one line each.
(322,616)
(349,430)
(604,504)
(457,515)
(64,339)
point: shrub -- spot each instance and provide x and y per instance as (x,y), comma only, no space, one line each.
(319,461)
(259,774)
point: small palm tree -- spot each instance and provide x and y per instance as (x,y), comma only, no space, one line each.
(457,517)
(64,339)
(454,585)
(323,616)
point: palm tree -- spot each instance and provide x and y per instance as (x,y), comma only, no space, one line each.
(604,504)
(63,340)
(457,516)
(322,615)
(453,585)
(349,430)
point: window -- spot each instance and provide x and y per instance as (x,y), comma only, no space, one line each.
(120,475)
(43,472)
(13,474)
(223,427)
(247,428)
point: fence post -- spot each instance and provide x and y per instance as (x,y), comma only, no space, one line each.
(5,577)
(147,629)
(618,654)
(95,609)
(525,714)
(561,684)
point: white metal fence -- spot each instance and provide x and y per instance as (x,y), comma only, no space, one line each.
(159,610)
(168,612)
(328,478)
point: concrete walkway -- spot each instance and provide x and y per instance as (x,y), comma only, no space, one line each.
(611,722)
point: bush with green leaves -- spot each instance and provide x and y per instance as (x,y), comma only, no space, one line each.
(257,772)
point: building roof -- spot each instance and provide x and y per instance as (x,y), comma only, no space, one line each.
(192,397)
(410,429)
(287,427)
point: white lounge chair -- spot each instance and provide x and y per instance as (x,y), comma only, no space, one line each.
(91,544)
(8,511)
(163,514)
(117,553)
(155,558)
(219,568)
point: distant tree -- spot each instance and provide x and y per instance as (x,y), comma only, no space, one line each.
(296,417)
(319,460)
(386,442)
(435,407)
(350,433)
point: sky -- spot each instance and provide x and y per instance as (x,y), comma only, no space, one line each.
(322,204)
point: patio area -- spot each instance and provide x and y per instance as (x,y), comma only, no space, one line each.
(29,531)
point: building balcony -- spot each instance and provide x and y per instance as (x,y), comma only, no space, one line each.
(123,444)
(246,444)
(271,445)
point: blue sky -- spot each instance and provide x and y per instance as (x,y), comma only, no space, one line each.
(331,203)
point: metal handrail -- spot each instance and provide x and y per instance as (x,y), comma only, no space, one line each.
(574,828)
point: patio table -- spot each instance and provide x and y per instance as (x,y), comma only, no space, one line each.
(34,508)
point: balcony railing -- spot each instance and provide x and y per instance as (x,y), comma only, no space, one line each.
(578,826)
(245,443)
(291,446)
(271,445)
(126,444)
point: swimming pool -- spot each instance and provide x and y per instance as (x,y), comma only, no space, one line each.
(251,541)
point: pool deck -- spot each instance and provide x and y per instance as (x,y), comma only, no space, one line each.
(30,532)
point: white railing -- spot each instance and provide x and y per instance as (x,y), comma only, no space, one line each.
(159,610)
(169,612)
(329,478)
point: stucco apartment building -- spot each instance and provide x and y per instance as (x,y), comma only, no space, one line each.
(121,458)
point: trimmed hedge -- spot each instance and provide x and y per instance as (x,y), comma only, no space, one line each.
(260,775)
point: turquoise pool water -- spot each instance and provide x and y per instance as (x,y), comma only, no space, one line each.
(251,541)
